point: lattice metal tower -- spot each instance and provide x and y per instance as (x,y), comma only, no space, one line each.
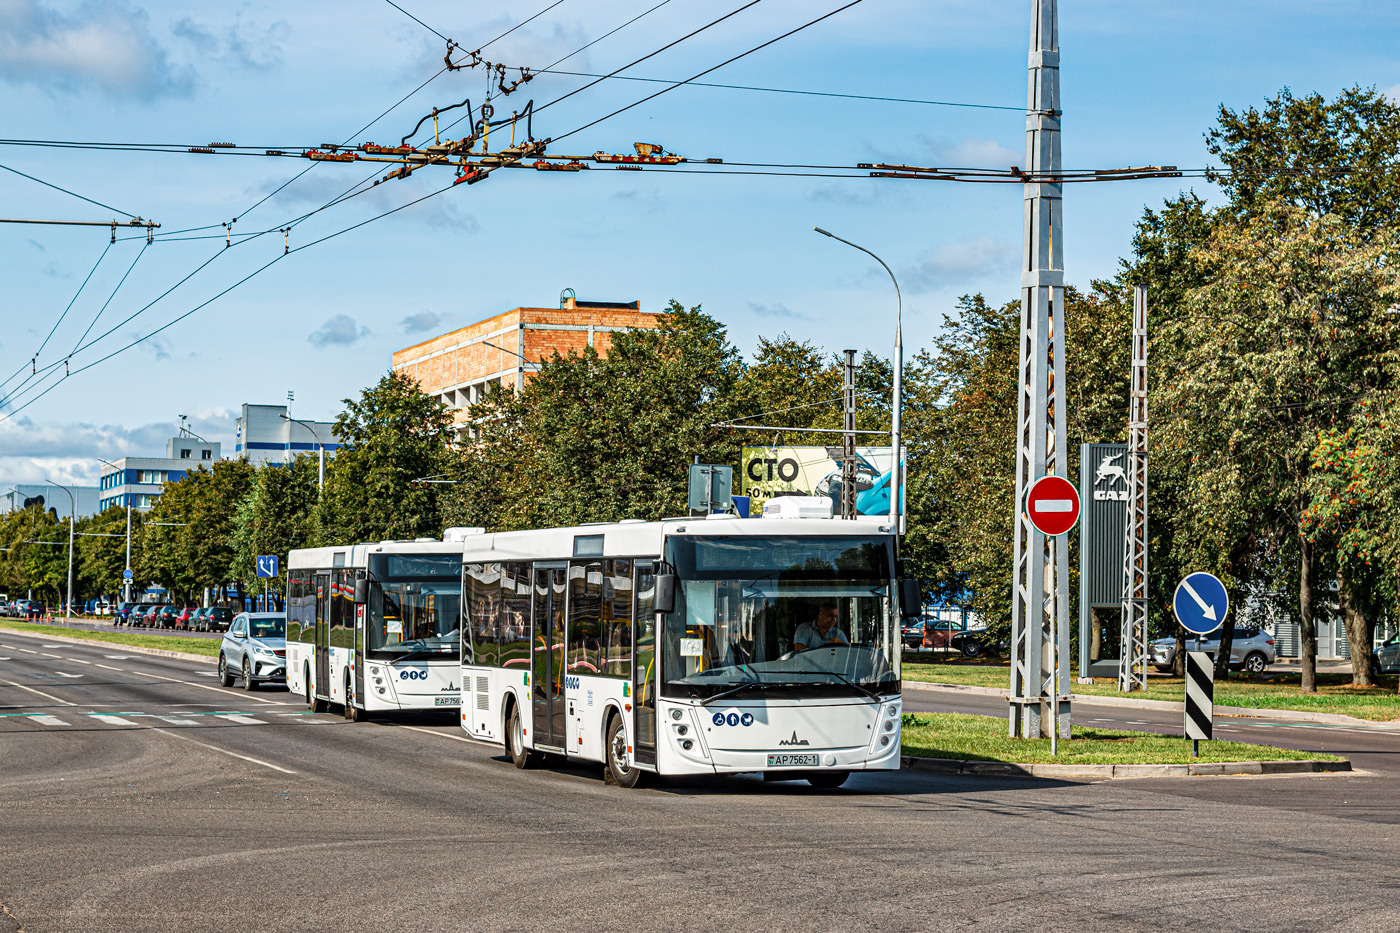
(1040,621)
(1132,670)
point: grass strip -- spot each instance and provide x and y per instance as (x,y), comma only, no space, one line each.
(205,646)
(983,738)
(1269,690)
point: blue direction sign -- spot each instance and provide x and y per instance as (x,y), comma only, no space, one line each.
(267,566)
(126,574)
(1201,603)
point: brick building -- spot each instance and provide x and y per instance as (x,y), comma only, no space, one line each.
(459,367)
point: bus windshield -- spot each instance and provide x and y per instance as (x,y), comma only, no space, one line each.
(786,616)
(414,605)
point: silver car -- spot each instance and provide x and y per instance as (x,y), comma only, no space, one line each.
(1251,650)
(254,649)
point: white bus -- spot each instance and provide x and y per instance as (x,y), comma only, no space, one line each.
(374,627)
(676,647)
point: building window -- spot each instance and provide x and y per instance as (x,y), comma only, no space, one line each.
(184,453)
(207,455)
(150,476)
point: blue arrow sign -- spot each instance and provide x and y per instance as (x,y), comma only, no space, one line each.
(1201,603)
(126,574)
(267,566)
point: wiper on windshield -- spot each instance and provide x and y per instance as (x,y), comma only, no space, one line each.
(421,649)
(851,683)
(761,684)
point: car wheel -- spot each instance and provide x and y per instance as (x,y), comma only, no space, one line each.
(971,648)
(248,682)
(828,780)
(225,678)
(515,740)
(1255,662)
(620,767)
(312,703)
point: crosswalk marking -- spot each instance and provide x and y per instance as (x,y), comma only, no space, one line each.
(111,720)
(175,718)
(178,721)
(47,720)
(242,720)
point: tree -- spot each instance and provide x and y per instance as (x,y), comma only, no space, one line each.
(392,435)
(275,516)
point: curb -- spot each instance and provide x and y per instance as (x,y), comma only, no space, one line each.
(1294,715)
(157,652)
(1087,772)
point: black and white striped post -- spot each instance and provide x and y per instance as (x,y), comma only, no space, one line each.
(1200,698)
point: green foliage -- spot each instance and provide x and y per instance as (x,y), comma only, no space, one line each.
(393,434)
(275,516)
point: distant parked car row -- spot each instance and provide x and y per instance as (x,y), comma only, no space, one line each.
(947,635)
(29,609)
(163,615)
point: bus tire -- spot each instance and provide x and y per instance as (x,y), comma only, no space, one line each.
(828,780)
(352,712)
(621,769)
(515,740)
(312,702)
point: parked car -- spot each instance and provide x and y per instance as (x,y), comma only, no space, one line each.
(217,619)
(185,617)
(1251,650)
(254,649)
(166,617)
(147,614)
(19,609)
(34,610)
(121,613)
(912,634)
(1386,658)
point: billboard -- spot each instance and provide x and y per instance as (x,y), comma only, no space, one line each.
(765,472)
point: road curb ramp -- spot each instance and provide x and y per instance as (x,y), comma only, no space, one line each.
(136,649)
(1088,772)
(1252,712)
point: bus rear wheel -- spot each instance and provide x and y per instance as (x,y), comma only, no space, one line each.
(515,740)
(312,703)
(621,769)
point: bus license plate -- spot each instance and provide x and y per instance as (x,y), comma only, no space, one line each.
(447,701)
(793,761)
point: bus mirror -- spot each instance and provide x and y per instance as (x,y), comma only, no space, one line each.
(665,592)
(911,598)
(361,591)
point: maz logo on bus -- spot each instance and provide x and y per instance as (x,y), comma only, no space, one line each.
(413,675)
(732,719)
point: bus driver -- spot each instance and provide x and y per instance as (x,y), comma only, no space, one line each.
(821,632)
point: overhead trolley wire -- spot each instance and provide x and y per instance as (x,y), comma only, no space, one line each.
(701,74)
(75,194)
(600,39)
(417,20)
(519,24)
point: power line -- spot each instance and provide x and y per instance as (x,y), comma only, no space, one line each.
(66,191)
(518,25)
(600,39)
(417,20)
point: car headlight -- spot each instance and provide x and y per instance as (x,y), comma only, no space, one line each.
(262,652)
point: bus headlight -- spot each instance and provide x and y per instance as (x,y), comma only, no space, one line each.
(676,714)
(889,725)
(682,729)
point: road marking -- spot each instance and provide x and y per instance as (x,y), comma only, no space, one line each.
(4,659)
(189,683)
(111,720)
(177,721)
(63,674)
(448,735)
(224,751)
(117,657)
(109,668)
(27,651)
(79,661)
(47,696)
(55,646)
(47,655)
(47,720)
(242,720)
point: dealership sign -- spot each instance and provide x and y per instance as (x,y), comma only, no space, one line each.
(767,472)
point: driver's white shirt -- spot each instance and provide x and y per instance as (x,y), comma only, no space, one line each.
(808,636)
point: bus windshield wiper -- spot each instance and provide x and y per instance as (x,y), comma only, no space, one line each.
(855,686)
(760,684)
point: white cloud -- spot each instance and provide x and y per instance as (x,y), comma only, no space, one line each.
(103,44)
(777,310)
(969,152)
(1392,92)
(420,321)
(959,264)
(237,44)
(31,452)
(338,330)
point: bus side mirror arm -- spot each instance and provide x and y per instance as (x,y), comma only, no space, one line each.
(911,598)
(665,593)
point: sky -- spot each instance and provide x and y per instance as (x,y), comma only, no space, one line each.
(1140,84)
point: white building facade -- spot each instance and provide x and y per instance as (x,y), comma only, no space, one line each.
(267,435)
(138,481)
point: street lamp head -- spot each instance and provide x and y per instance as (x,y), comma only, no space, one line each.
(825,232)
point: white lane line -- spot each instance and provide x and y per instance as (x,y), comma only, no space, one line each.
(63,674)
(117,657)
(47,696)
(27,651)
(177,721)
(224,751)
(109,667)
(4,659)
(48,720)
(448,735)
(47,655)
(241,720)
(189,683)
(79,661)
(111,720)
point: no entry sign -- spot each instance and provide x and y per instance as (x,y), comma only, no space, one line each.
(1052,504)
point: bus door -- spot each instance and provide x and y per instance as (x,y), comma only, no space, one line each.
(323,625)
(357,638)
(644,670)
(547,654)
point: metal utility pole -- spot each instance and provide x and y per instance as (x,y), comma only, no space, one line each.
(848,440)
(1039,697)
(1132,669)
(126,580)
(72,514)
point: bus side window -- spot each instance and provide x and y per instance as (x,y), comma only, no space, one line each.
(481,601)
(645,641)
(615,648)
(514,628)
(585,617)
(342,634)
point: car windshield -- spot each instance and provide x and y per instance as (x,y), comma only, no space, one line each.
(268,627)
(414,605)
(801,615)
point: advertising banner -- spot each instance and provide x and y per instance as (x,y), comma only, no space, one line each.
(766,472)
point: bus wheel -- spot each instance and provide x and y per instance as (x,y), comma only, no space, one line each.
(352,712)
(620,767)
(515,740)
(313,704)
(828,780)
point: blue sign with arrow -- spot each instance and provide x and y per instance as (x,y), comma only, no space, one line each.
(1201,603)
(267,565)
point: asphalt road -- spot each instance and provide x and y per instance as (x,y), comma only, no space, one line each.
(95,625)
(136,794)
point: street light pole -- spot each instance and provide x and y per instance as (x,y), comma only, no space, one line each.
(320,448)
(72,512)
(895,487)
(126,580)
